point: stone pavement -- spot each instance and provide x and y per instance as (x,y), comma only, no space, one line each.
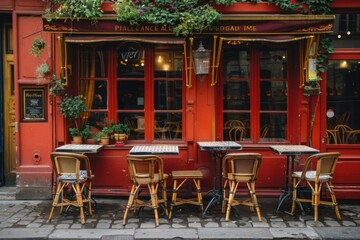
(20,219)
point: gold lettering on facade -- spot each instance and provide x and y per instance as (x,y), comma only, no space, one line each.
(250,28)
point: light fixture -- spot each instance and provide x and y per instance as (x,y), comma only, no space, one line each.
(201,58)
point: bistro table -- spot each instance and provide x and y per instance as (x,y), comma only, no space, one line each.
(218,149)
(79,148)
(291,151)
(154,149)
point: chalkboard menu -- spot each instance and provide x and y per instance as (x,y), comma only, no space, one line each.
(33,104)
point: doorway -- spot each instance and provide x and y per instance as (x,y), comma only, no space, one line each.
(7,146)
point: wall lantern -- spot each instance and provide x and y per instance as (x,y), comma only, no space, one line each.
(201,58)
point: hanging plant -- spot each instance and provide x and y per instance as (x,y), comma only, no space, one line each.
(37,47)
(42,71)
(57,86)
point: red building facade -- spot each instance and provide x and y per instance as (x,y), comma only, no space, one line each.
(261,61)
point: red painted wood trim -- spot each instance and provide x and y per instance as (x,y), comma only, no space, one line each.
(345,4)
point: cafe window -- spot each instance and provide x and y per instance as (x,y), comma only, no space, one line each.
(251,74)
(343,102)
(118,77)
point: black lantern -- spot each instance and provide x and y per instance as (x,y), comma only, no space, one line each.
(201,58)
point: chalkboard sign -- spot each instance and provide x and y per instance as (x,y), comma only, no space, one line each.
(33,104)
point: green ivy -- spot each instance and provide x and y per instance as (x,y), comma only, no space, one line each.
(185,17)
(325,48)
(75,9)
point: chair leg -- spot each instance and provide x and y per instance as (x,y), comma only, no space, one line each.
(173,198)
(233,187)
(199,195)
(89,197)
(333,198)
(316,200)
(130,202)
(154,202)
(225,196)
(251,187)
(80,202)
(56,200)
(294,196)
(164,196)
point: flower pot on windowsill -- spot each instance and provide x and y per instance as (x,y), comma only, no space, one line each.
(77,140)
(104,141)
(120,137)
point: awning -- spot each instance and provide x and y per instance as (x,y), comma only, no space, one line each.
(106,38)
(231,24)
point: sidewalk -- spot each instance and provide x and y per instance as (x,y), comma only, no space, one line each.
(27,220)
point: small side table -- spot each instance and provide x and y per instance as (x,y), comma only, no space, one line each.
(184,175)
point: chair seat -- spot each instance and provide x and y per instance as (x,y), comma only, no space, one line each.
(311,175)
(187,174)
(156,179)
(238,178)
(195,176)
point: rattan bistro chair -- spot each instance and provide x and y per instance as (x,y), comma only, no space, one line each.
(67,166)
(323,174)
(146,170)
(240,168)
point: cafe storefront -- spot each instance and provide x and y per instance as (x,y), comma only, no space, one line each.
(256,77)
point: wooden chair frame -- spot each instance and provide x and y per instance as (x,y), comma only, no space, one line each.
(323,174)
(146,170)
(69,174)
(240,168)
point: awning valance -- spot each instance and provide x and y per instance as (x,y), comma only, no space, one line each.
(106,38)
(234,24)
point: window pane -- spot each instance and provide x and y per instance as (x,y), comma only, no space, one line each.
(93,62)
(136,122)
(237,126)
(236,63)
(236,95)
(130,94)
(168,126)
(273,64)
(236,92)
(273,127)
(273,95)
(168,64)
(343,101)
(168,95)
(99,100)
(98,119)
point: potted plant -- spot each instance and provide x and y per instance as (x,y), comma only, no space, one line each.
(85,133)
(121,132)
(104,135)
(72,108)
(75,134)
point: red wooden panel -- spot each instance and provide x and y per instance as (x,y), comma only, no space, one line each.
(29,28)
(6,4)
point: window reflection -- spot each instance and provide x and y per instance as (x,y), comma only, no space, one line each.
(343,102)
